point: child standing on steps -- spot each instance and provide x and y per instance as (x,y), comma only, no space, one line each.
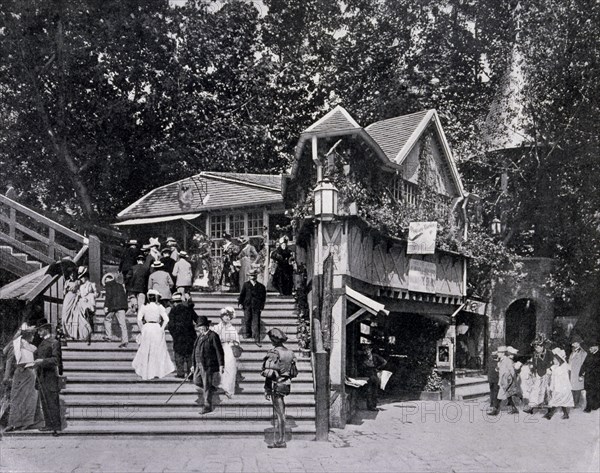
(560,385)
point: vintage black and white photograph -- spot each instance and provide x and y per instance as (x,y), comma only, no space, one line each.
(299,236)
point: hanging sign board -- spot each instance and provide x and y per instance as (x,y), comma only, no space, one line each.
(421,238)
(421,276)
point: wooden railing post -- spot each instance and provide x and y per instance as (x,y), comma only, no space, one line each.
(13,221)
(95,259)
(51,246)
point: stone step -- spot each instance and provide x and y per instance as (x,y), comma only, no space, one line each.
(472,391)
(110,356)
(291,333)
(167,413)
(166,389)
(186,399)
(75,377)
(101,346)
(102,365)
(266,318)
(218,428)
(471,380)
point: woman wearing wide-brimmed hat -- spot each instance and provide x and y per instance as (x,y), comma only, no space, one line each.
(25,409)
(78,317)
(152,359)
(161,281)
(229,339)
(247,258)
(283,276)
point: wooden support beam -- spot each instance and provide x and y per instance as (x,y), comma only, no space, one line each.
(355,316)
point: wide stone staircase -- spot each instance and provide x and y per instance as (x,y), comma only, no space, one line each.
(104,396)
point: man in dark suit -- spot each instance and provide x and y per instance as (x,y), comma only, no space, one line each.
(46,362)
(252,298)
(137,282)
(129,258)
(208,359)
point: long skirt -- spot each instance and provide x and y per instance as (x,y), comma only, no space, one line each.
(226,381)
(75,323)
(152,359)
(539,390)
(25,408)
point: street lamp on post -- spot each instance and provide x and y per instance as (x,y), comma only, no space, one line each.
(496,227)
(326,200)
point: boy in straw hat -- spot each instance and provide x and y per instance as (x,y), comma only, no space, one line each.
(509,384)
(279,368)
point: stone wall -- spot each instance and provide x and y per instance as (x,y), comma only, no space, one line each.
(509,290)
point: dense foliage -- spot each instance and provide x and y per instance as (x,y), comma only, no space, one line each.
(103,101)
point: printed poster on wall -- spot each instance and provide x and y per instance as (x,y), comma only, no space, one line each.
(421,238)
(421,276)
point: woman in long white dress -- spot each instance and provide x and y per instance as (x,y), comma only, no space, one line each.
(229,337)
(152,359)
(69,306)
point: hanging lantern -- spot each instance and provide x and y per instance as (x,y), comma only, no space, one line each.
(496,227)
(326,200)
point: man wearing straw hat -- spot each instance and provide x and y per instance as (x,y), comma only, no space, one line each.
(47,358)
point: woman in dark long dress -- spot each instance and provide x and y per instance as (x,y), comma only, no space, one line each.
(25,409)
(283,279)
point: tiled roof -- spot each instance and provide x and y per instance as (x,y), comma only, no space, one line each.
(337,119)
(267,180)
(224,190)
(392,134)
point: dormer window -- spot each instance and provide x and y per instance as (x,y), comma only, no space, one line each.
(404,191)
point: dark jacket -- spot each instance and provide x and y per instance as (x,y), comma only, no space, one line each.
(169,264)
(253,296)
(542,362)
(47,370)
(181,326)
(116,298)
(128,259)
(590,370)
(208,352)
(493,375)
(138,280)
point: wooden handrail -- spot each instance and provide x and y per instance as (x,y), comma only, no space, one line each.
(43,220)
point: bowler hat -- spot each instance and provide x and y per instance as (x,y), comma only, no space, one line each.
(203,321)
(42,323)
(276,335)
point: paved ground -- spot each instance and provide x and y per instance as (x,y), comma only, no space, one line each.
(403,436)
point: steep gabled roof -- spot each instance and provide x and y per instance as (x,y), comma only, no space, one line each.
(391,139)
(335,120)
(393,134)
(224,190)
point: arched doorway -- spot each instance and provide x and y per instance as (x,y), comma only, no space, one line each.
(520,325)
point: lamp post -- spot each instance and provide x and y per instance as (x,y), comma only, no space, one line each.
(326,200)
(496,227)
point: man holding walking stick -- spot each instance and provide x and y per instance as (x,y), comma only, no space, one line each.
(209,359)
